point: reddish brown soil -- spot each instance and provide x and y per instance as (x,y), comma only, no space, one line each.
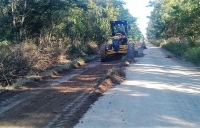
(62,105)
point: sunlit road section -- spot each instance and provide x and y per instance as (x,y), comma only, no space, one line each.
(158,92)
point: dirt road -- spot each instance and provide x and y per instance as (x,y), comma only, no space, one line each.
(60,100)
(160,91)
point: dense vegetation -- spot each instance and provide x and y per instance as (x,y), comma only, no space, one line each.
(35,34)
(175,25)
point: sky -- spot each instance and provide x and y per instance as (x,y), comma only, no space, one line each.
(139,10)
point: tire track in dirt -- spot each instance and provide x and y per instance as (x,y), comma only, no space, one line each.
(56,103)
(16,99)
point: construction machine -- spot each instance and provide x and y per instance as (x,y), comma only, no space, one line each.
(119,43)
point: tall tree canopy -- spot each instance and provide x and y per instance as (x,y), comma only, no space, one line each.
(83,20)
(174,18)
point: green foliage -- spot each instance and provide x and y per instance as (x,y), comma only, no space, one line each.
(86,20)
(76,22)
(73,50)
(46,31)
(4,49)
(191,43)
(56,23)
(177,19)
(193,55)
(91,50)
(177,48)
(174,18)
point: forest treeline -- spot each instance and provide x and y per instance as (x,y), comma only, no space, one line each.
(35,34)
(175,25)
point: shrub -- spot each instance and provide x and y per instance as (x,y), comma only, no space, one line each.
(176,48)
(91,49)
(74,51)
(82,50)
(4,49)
(193,55)
(21,61)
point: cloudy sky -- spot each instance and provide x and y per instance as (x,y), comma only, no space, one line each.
(139,10)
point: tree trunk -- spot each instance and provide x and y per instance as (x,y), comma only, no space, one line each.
(23,18)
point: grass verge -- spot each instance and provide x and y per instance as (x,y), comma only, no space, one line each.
(193,55)
(177,48)
(184,50)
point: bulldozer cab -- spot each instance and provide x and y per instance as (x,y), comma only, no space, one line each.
(119,27)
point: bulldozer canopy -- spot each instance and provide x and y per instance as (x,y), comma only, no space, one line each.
(119,27)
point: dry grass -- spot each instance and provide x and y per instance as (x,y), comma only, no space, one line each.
(27,62)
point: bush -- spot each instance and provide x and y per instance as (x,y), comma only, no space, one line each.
(91,49)
(82,50)
(22,60)
(177,48)
(193,55)
(4,49)
(74,51)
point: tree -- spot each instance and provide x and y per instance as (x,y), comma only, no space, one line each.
(174,18)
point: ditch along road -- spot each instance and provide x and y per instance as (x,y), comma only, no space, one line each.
(159,91)
(60,100)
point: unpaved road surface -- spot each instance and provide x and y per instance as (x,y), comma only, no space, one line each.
(159,91)
(57,101)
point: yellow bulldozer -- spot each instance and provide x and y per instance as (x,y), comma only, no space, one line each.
(119,39)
